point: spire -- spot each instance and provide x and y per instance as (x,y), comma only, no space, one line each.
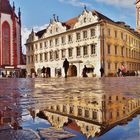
(54,17)
(19,16)
(13,6)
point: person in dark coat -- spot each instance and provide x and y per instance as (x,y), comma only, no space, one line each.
(84,73)
(102,71)
(66,66)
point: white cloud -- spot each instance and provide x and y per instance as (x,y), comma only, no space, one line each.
(77,3)
(119,3)
(25,34)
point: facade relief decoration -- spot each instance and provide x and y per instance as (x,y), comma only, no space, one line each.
(55,27)
(86,18)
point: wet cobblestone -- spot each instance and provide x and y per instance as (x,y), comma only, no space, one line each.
(18,96)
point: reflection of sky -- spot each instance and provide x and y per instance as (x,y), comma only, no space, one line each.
(28,122)
(125,132)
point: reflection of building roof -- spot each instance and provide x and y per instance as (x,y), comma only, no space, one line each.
(73,125)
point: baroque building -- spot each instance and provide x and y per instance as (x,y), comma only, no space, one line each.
(90,39)
(10,36)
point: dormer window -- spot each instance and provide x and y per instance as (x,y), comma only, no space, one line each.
(85,19)
(56,29)
(50,31)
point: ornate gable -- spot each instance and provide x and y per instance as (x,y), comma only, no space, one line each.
(86,18)
(55,27)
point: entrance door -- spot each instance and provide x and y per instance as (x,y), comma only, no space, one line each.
(72,71)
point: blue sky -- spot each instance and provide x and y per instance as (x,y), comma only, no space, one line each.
(37,13)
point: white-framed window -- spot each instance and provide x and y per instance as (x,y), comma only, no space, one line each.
(85,50)
(92,32)
(63,53)
(78,36)
(70,52)
(78,51)
(46,56)
(84,34)
(93,48)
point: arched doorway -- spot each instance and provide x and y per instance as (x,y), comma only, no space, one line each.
(72,71)
(48,72)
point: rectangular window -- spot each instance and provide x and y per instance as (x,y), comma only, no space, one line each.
(121,35)
(85,50)
(40,45)
(94,115)
(63,53)
(78,51)
(36,47)
(45,44)
(122,49)
(57,54)
(62,39)
(70,52)
(56,41)
(46,56)
(69,38)
(126,52)
(78,36)
(109,65)
(109,32)
(115,34)
(116,50)
(51,55)
(116,66)
(92,32)
(41,57)
(84,34)
(51,43)
(108,49)
(93,49)
(79,112)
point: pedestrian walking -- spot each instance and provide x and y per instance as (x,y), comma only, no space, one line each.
(102,71)
(84,72)
(66,66)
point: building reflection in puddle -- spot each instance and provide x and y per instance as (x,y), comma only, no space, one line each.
(93,115)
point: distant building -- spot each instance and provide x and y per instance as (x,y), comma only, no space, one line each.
(90,39)
(10,37)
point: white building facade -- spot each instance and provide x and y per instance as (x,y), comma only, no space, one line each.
(77,39)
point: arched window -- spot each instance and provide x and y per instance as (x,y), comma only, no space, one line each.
(5,43)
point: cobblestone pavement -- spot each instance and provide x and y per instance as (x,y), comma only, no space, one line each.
(17,96)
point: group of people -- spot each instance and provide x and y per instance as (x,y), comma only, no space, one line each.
(122,71)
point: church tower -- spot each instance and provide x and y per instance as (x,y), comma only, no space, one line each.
(138,16)
(10,35)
